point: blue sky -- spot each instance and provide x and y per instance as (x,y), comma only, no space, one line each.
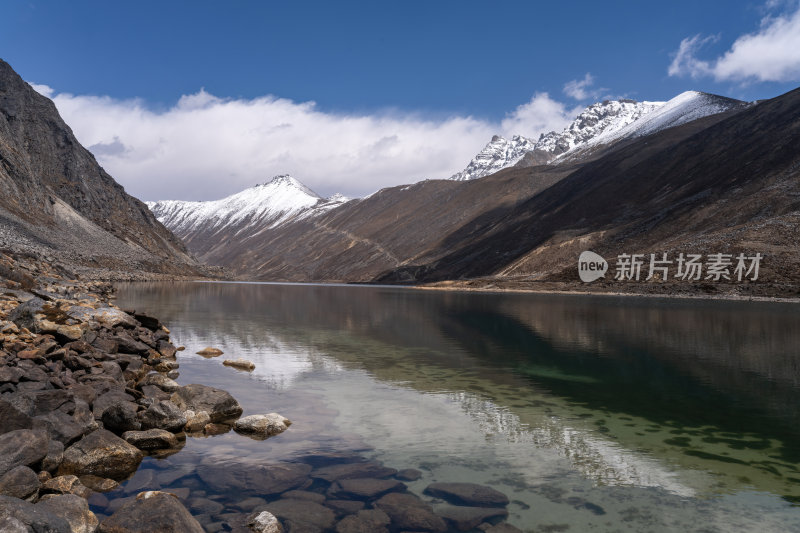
(401,64)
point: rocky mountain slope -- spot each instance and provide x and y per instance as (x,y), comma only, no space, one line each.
(599,125)
(207,226)
(57,202)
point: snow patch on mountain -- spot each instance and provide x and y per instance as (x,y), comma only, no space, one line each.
(599,124)
(267,205)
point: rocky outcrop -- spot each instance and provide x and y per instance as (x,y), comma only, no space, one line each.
(219,404)
(57,202)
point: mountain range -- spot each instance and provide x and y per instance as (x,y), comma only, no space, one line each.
(698,174)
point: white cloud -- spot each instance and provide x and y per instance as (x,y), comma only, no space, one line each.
(581,89)
(541,114)
(770,54)
(206,147)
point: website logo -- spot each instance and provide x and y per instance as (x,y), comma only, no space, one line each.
(591,266)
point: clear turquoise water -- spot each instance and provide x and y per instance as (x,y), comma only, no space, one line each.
(591,413)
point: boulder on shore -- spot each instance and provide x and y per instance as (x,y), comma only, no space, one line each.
(101,453)
(219,404)
(262,425)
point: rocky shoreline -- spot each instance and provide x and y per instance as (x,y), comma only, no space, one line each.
(87,391)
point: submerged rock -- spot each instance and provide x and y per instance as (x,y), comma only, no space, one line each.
(364,488)
(469,494)
(410,513)
(303,515)
(466,518)
(262,425)
(262,479)
(150,512)
(368,521)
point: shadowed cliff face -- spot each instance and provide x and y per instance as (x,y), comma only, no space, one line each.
(55,199)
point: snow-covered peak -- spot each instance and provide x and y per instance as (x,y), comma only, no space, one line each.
(595,124)
(599,124)
(497,155)
(268,205)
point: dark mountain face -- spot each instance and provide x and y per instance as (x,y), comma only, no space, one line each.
(56,200)
(731,185)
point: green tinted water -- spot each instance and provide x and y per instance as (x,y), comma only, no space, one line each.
(590,413)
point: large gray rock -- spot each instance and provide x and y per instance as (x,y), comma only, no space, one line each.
(19,516)
(262,426)
(152,439)
(165,415)
(25,447)
(469,494)
(20,482)
(73,509)
(216,402)
(101,453)
(152,512)
(263,479)
(12,418)
(161,381)
(121,417)
(410,513)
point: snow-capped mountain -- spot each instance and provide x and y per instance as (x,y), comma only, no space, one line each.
(599,124)
(261,207)
(497,155)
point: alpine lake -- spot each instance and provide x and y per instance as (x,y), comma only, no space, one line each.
(591,413)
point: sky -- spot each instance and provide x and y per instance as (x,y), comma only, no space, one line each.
(198,100)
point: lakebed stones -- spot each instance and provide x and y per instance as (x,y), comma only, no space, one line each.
(219,404)
(364,488)
(262,479)
(262,425)
(101,453)
(149,512)
(465,518)
(302,515)
(467,494)
(365,469)
(367,521)
(409,513)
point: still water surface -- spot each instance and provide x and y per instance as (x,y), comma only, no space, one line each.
(592,413)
